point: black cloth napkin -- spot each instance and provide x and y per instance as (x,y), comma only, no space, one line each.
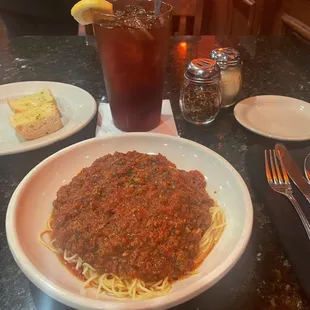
(282,213)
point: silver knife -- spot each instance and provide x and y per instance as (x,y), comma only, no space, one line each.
(293,170)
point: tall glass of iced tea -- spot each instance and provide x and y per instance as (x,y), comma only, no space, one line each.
(133,47)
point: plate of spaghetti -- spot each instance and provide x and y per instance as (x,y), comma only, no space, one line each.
(132,221)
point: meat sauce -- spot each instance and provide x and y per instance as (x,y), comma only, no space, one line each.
(133,215)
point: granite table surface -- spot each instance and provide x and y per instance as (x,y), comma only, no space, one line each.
(263,278)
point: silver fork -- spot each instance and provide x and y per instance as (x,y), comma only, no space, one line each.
(279,182)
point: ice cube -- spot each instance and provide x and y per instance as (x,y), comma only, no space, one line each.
(136,17)
(135,10)
(133,22)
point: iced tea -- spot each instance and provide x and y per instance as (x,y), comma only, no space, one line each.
(133,47)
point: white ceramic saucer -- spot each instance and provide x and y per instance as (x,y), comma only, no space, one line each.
(277,117)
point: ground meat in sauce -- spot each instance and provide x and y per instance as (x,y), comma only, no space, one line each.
(133,215)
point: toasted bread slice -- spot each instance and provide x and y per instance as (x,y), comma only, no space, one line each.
(25,103)
(36,122)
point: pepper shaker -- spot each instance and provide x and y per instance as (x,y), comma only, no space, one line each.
(229,61)
(201,96)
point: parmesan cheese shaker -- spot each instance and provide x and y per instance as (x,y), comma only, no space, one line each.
(231,78)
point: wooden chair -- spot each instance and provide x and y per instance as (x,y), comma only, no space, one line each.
(187,8)
(245,17)
(291,25)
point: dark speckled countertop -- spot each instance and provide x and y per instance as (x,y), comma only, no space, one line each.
(264,277)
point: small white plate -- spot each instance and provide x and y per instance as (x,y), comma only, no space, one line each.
(77,108)
(277,117)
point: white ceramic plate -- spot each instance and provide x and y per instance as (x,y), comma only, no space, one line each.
(31,206)
(277,117)
(77,108)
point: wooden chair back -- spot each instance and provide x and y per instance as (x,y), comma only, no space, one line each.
(244,17)
(187,8)
(292,25)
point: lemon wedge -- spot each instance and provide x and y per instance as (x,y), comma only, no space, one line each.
(82,10)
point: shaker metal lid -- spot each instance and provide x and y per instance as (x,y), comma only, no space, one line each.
(226,56)
(203,70)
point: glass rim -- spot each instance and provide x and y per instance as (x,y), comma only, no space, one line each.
(161,14)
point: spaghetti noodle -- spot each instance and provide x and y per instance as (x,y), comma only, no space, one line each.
(196,222)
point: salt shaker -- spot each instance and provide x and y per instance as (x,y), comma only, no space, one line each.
(201,96)
(229,61)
